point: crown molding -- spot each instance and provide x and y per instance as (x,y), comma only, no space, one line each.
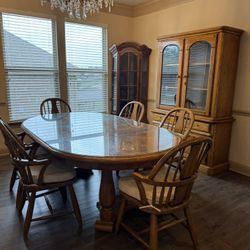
(156,5)
(146,8)
(120,9)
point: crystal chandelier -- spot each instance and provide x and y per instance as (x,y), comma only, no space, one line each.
(79,8)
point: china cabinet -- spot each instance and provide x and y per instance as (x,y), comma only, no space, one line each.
(129,75)
(197,70)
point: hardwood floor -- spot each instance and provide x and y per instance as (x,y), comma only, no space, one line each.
(220,209)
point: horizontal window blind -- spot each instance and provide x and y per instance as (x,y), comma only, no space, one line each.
(30,60)
(86,56)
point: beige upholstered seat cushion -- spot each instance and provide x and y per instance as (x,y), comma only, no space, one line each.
(57,171)
(128,186)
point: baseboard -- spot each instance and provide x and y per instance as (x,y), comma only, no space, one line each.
(233,166)
(239,168)
(215,169)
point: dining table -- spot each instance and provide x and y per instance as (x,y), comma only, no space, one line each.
(102,142)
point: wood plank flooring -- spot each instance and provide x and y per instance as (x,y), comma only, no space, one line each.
(220,209)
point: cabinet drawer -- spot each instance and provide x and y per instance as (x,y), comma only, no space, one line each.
(201,126)
(158,118)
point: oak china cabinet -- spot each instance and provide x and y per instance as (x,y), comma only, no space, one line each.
(197,70)
(130,63)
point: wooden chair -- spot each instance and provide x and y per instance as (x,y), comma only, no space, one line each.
(133,110)
(54,106)
(38,175)
(164,191)
(179,121)
(30,149)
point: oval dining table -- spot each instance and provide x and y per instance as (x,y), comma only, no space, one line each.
(104,142)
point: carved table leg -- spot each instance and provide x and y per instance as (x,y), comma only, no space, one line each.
(107,200)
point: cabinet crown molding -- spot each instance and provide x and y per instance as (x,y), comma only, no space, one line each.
(225,29)
(116,48)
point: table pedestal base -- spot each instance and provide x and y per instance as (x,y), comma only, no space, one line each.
(104,226)
(106,204)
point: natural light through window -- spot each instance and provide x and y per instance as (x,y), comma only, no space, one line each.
(86,55)
(30,60)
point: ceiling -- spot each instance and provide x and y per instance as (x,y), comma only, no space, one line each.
(131,2)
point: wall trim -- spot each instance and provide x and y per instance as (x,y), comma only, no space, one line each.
(119,9)
(144,8)
(241,113)
(239,168)
(156,5)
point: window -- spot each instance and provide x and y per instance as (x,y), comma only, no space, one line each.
(30,59)
(32,69)
(86,57)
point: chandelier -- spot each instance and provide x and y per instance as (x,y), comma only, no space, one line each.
(79,8)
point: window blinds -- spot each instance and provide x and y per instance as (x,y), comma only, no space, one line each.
(86,57)
(30,59)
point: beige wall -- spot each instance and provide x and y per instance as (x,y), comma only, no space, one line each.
(200,14)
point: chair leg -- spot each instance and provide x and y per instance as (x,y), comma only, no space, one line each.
(29,214)
(153,238)
(191,227)
(21,198)
(75,205)
(120,215)
(63,192)
(13,179)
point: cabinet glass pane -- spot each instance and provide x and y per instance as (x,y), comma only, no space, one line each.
(198,74)
(132,78)
(132,61)
(124,61)
(124,92)
(124,78)
(169,75)
(132,93)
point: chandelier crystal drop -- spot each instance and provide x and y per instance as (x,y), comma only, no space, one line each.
(79,8)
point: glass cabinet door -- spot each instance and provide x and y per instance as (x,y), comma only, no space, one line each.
(170,75)
(197,76)
(128,78)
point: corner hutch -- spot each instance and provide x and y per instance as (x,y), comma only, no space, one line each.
(130,63)
(197,70)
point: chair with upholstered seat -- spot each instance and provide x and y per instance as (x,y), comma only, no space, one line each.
(133,110)
(54,106)
(38,175)
(165,190)
(179,121)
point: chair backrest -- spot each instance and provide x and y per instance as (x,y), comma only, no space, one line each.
(53,106)
(133,110)
(179,120)
(12,141)
(173,175)
(17,152)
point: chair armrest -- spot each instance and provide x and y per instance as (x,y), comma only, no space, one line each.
(140,178)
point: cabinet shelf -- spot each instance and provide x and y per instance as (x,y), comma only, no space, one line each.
(198,89)
(199,64)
